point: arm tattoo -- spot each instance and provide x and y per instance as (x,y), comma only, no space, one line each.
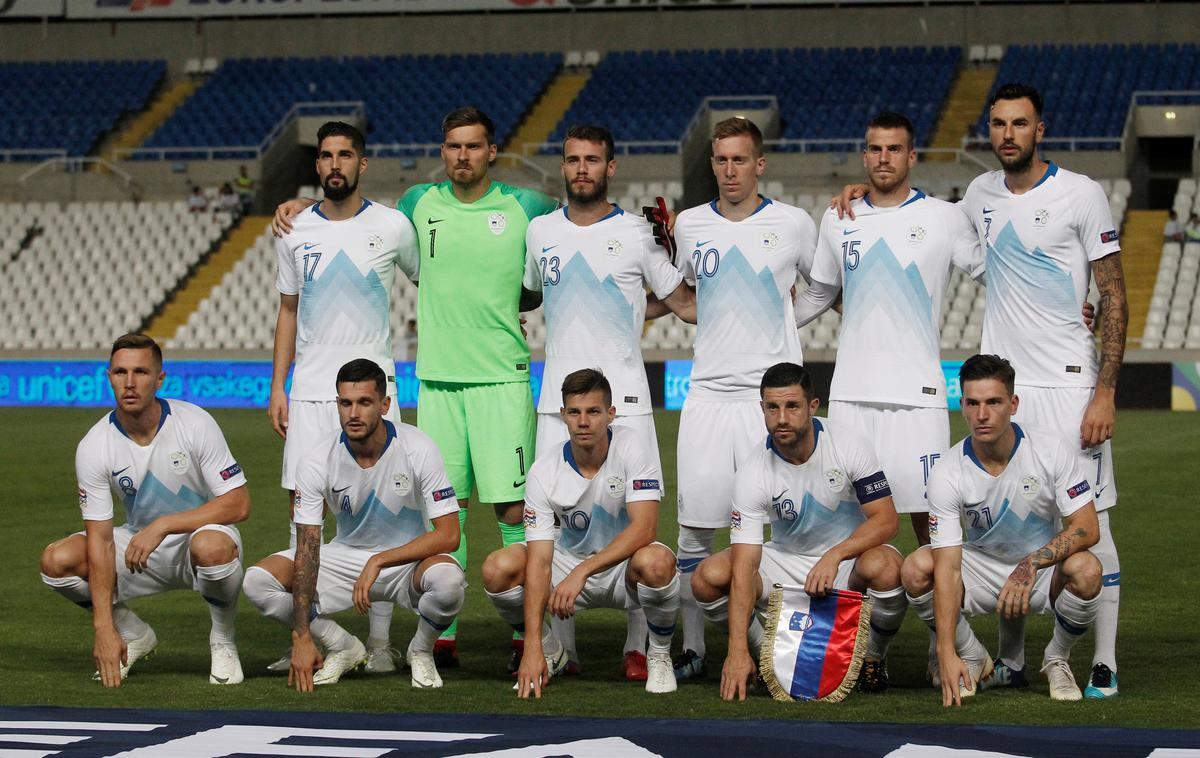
(304,581)
(1058,548)
(1024,573)
(1114,310)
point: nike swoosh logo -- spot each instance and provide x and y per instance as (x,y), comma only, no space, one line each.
(118,473)
(518,482)
(433,220)
(310,245)
(336,491)
(781,494)
(702,244)
(221,679)
(847,232)
(988,210)
(548,249)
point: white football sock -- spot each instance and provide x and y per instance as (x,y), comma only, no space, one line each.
(73,588)
(220,586)
(635,631)
(267,594)
(661,605)
(694,546)
(1011,645)
(379,617)
(1072,617)
(442,591)
(886,617)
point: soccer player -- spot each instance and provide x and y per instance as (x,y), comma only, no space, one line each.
(1010,484)
(182,492)
(335,273)
(603,486)
(1047,232)
(744,253)
(592,264)
(820,487)
(384,482)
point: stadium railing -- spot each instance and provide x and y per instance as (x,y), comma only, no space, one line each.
(23,155)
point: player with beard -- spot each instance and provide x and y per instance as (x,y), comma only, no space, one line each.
(1046,232)
(335,274)
(592,263)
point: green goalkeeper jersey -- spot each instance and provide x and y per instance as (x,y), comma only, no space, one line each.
(472,263)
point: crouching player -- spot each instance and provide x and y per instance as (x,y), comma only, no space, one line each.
(604,488)
(1009,484)
(384,482)
(182,492)
(824,493)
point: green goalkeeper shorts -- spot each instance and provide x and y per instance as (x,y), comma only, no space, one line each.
(485,433)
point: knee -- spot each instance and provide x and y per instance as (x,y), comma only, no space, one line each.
(655,565)
(916,573)
(880,568)
(63,558)
(1085,576)
(212,548)
(504,569)
(710,580)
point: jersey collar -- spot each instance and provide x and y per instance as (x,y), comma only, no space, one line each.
(569,455)
(765,202)
(969,449)
(365,204)
(914,195)
(391,435)
(1051,170)
(616,211)
(163,405)
(818,427)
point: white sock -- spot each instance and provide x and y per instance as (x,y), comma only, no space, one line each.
(220,586)
(510,604)
(129,626)
(661,605)
(1106,624)
(965,642)
(267,594)
(1011,646)
(694,546)
(443,588)
(1072,617)
(716,612)
(755,633)
(73,588)
(635,631)
(328,633)
(564,630)
(379,618)
(887,615)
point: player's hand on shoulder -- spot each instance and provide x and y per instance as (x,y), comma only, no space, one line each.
(306,659)
(736,675)
(850,193)
(277,411)
(281,224)
(109,652)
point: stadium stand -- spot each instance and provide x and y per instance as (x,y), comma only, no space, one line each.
(1087,88)
(1173,319)
(89,270)
(405,97)
(69,105)
(824,94)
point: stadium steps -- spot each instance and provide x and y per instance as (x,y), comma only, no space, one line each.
(154,116)
(963,106)
(1141,251)
(206,277)
(549,109)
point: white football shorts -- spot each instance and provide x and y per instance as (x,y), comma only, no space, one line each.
(983,576)
(908,442)
(607,589)
(170,565)
(1062,408)
(782,567)
(713,437)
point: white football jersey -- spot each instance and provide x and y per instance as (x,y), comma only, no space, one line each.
(1039,249)
(812,506)
(743,273)
(593,280)
(186,465)
(382,507)
(893,265)
(343,272)
(1011,515)
(591,511)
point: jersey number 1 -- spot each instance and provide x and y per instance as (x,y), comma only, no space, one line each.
(432,241)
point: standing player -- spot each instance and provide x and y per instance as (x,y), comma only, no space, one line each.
(592,264)
(1046,232)
(892,264)
(182,492)
(1010,484)
(603,486)
(335,274)
(821,489)
(744,253)
(384,482)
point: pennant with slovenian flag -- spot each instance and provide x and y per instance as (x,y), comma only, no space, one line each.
(813,646)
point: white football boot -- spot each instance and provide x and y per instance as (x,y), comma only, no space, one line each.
(339,662)
(1062,681)
(136,649)
(226,666)
(660,674)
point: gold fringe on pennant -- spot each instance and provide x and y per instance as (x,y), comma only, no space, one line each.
(766,654)
(860,649)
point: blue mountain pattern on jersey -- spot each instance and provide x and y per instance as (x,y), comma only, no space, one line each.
(154,499)
(341,290)
(751,299)
(817,527)
(1016,273)
(602,528)
(881,282)
(1011,536)
(598,308)
(373,526)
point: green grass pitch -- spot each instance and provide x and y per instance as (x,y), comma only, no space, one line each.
(45,648)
